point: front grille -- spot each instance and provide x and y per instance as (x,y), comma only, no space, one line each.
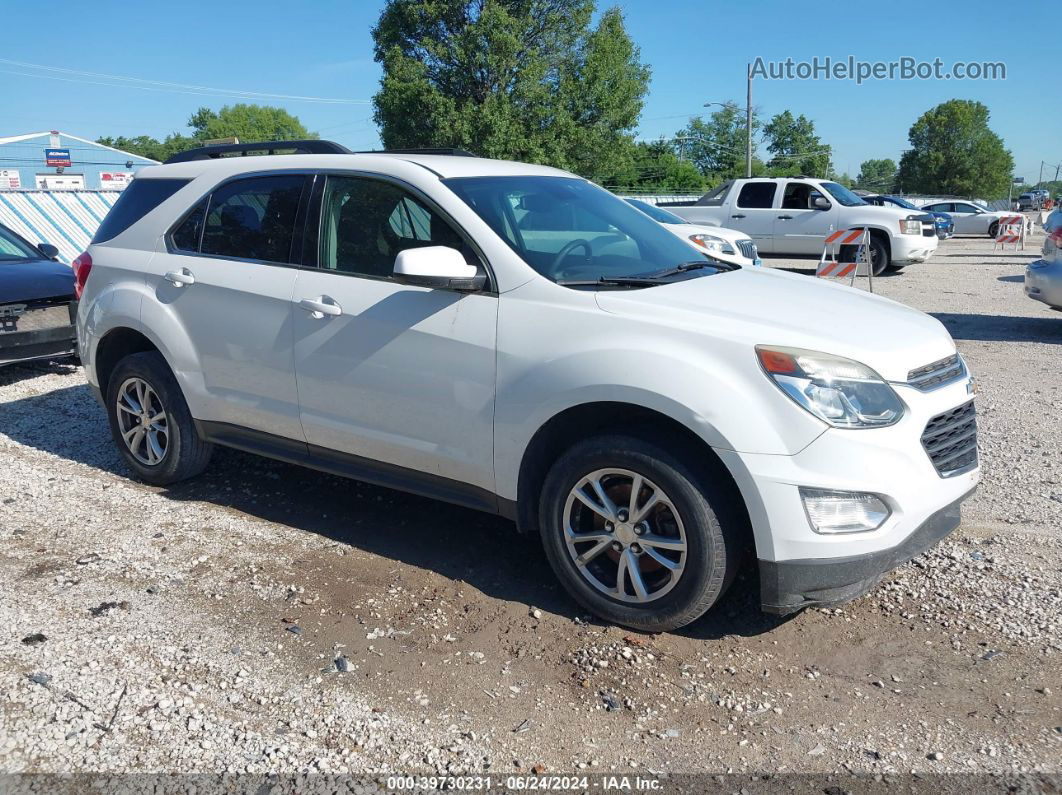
(936,374)
(747,249)
(950,440)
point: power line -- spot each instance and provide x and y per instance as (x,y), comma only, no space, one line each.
(119,81)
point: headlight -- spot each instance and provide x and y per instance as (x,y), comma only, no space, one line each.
(839,391)
(713,243)
(911,226)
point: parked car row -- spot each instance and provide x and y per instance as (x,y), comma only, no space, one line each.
(793,216)
(942,222)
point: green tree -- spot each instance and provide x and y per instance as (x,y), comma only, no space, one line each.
(247,122)
(878,176)
(953,151)
(717,144)
(795,146)
(521,79)
(655,168)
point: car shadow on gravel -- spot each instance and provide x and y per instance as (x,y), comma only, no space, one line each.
(1002,328)
(458,543)
(13,373)
(1018,278)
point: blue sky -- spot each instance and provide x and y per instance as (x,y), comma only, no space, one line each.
(697,52)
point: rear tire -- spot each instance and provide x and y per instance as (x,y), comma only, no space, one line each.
(150,421)
(684,551)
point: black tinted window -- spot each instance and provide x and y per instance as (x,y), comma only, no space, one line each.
(253,218)
(756,195)
(186,236)
(365,223)
(141,197)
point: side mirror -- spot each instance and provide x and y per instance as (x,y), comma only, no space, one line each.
(820,203)
(438,266)
(48,250)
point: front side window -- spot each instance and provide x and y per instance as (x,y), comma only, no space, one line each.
(756,195)
(800,196)
(253,218)
(654,212)
(843,196)
(13,247)
(569,229)
(366,222)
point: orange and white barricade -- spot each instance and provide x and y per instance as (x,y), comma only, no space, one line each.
(831,265)
(1012,229)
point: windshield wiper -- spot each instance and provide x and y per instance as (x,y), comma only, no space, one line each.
(621,281)
(692,266)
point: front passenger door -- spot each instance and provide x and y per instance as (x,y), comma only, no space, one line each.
(389,374)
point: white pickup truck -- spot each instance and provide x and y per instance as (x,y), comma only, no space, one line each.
(791,217)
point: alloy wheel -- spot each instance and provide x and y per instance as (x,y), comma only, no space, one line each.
(142,421)
(624,535)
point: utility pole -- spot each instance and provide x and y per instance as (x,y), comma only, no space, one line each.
(1041,180)
(748,125)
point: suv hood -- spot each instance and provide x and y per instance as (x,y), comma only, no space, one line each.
(32,280)
(770,307)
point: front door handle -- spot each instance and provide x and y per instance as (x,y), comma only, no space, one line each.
(785,217)
(180,278)
(737,216)
(321,306)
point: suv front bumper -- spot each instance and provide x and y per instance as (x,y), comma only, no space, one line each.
(801,567)
(791,585)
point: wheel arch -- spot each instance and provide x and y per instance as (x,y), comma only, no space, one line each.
(114,346)
(590,419)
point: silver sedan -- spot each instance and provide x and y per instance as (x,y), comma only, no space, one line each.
(1043,278)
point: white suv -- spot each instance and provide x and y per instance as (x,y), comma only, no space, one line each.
(515,339)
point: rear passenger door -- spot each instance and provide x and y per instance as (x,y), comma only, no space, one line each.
(227,278)
(753,213)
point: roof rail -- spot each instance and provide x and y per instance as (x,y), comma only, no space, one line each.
(305,147)
(431,150)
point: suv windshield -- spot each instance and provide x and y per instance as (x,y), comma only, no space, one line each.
(13,247)
(902,203)
(570,230)
(842,194)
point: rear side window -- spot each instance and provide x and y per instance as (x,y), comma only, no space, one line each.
(186,236)
(756,195)
(253,218)
(141,197)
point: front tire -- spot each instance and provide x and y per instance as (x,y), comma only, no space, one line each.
(635,535)
(150,421)
(993,230)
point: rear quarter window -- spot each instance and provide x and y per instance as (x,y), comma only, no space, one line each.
(141,197)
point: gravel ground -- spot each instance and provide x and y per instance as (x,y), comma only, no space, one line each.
(266,618)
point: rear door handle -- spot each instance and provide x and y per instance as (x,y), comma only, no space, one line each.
(180,278)
(785,217)
(321,306)
(737,216)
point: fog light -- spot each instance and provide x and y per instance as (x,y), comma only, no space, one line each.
(843,511)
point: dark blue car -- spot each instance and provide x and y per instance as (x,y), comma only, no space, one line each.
(945,226)
(37,305)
